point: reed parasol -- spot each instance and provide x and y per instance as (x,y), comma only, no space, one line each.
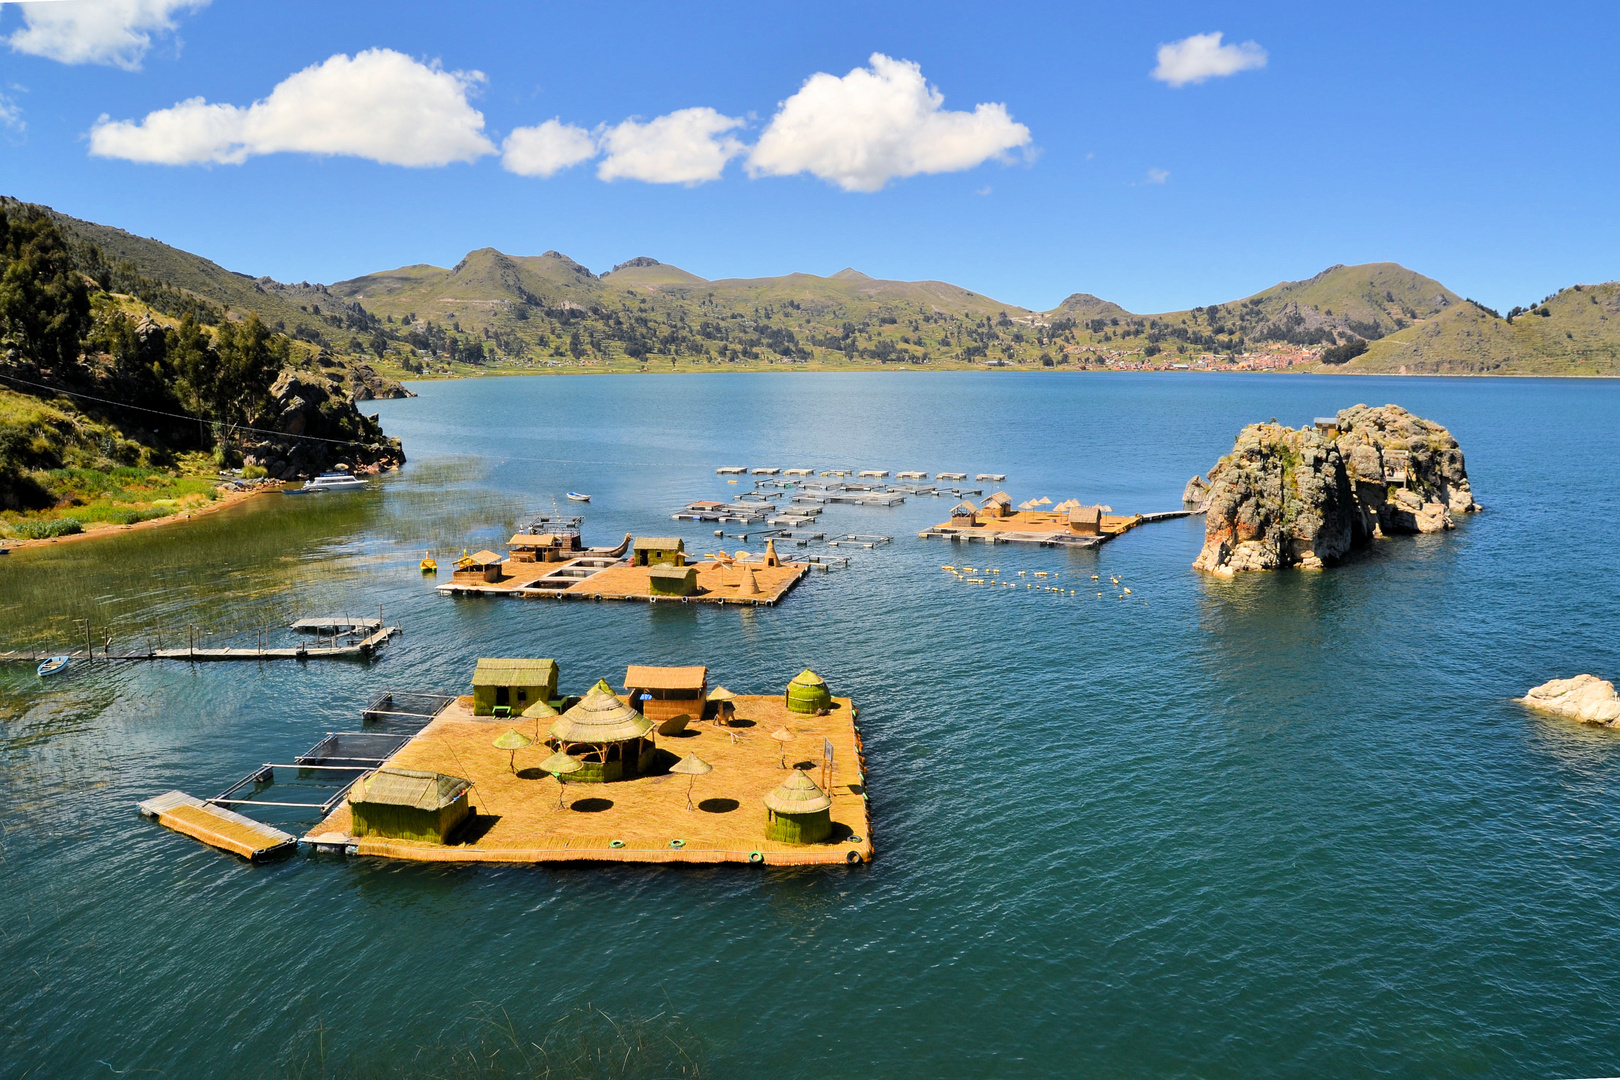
(514,740)
(691,766)
(783,736)
(560,765)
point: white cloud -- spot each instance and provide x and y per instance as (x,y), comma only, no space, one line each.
(11,115)
(547,148)
(876,124)
(1157,176)
(115,32)
(1202,56)
(381,105)
(688,146)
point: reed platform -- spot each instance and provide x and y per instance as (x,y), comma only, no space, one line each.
(621,581)
(645,820)
(216,826)
(1044,528)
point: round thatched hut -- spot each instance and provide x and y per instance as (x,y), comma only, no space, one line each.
(808,693)
(611,740)
(798,812)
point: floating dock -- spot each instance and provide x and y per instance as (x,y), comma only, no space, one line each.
(1044,528)
(217,827)
(716,584)
(518,818)
(361,650)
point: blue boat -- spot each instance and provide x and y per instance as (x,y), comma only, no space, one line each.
(51,666)
(574,496)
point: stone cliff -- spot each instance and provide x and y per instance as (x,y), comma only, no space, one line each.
(323,429)
(1307,497)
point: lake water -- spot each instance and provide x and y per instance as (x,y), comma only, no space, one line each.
(1290,824)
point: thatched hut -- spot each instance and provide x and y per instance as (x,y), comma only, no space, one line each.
(964,515)
(998,505)
(798,812)
(808,693)
(663,693)
(1085,521)
(544,547)
(672,580)
(659,551)
(512,685)
(485,566)
(612,740)
(403,804)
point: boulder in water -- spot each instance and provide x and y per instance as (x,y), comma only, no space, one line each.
(1585,698)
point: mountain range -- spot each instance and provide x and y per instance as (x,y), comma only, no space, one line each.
(498,312)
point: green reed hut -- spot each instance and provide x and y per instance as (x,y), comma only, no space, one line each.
(672,581)
(512,685)
(798,812)
(808,693)
(403,804)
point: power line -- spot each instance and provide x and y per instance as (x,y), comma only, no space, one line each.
(179,416)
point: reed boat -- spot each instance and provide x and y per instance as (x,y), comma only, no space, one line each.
(429,565)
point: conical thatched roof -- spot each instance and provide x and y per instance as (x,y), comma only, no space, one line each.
(600,718)
(540,709)
(798,795)
(808,678)
(512,739)
(691,765)
(560,764)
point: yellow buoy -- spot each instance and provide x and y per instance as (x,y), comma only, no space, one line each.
(1127,592)
(1093,577)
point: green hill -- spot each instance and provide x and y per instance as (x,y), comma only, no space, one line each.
(1576,331)
(494,311)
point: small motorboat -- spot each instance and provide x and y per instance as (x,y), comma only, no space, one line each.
(574,496)
(52,666)
(429,565)
(328,481)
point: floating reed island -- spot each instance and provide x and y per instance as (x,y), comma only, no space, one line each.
(1068,524)
(555,565)
(669,770)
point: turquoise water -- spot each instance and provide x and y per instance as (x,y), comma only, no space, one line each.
(1283,825)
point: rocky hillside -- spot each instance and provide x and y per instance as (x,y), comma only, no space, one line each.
(1308,497)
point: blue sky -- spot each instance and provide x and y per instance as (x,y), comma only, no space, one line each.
(1475,143)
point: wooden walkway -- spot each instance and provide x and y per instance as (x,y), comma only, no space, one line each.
(362,650)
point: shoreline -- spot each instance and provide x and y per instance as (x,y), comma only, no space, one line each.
(103,530)
(406,377)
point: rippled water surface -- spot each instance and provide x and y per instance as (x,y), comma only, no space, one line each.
(1292,824)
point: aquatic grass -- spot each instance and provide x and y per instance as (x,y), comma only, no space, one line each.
(47,528)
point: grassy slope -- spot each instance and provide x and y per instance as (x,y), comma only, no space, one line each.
(1579,336)
(1416,321)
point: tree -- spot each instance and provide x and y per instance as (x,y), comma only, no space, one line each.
(44,302)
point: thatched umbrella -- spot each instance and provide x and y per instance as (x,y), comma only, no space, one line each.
(514,740)
(560,765)
(783,736)
(691,766)
(725,705)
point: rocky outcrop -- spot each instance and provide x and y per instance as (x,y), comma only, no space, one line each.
(1196,493)
(1585,698)
(364,384)
(1307,497)
(323,429)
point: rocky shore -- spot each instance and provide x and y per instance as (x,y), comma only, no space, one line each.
(1309,496)
(1585,698)
(324,429)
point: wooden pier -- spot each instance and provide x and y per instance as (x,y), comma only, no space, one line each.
(519,820)
(360,650)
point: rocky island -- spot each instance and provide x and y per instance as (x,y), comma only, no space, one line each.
(1309,496)
(1585,698)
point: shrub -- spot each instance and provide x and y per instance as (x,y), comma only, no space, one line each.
(46,528)
(254,472)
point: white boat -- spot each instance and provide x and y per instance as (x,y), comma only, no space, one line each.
(574,496)
(329,481)
(51,666)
